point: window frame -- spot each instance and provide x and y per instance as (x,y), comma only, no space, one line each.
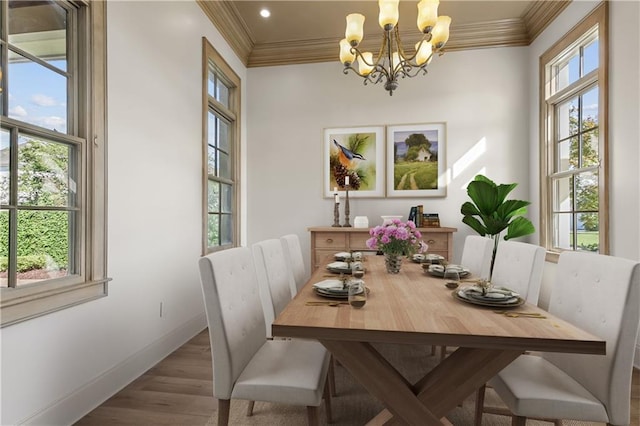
(212,60)
(87,128)
(599,18)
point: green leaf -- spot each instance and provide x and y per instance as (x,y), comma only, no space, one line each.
(510,208)
(503,190)
(468,209)
(519,227)
(475,224)
(483,195)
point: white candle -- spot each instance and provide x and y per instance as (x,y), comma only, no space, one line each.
(346,181)
(336,197)
(335,190)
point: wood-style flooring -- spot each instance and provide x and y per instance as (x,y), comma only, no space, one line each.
(178,391)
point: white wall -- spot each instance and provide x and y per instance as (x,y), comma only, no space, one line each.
(624,127)
(58,367)
(482,96)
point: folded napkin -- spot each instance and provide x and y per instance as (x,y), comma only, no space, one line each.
(338,265)
(329,285)
(342,255)
(440,268)
(494,293)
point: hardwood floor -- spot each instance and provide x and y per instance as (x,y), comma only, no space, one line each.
(178,391)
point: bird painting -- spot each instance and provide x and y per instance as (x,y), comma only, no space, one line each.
(346,156)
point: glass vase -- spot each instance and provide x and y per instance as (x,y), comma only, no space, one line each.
(393,262)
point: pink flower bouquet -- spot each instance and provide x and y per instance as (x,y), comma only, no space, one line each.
(396,237)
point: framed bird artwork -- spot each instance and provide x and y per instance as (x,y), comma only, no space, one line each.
(416,164)
(354,156)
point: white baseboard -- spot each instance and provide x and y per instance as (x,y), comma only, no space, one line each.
(71,408)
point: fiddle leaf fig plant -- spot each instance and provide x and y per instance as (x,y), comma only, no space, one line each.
(490,213)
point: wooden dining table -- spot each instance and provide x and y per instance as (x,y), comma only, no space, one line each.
(413,307)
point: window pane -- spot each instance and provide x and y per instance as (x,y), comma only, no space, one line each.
(567,71)
(588,237)
(227,198)
(39,28)
(590,109)
(567,118)
(4,166)
(43,245)
(562,195)
(38,95)
(43,172)
(212,130)
(586,192)
(223,135)
(211,84)
(567,155)
(590,148)
(213,196)
(563,231)
(222,93)
(226,229)
(224,162)
(4,248)
(591,56)
(213,230)
(212,166)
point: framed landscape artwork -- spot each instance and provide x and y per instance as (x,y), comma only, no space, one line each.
(356,154)
(416,162)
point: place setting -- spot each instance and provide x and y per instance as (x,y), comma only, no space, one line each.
(343,290)
(486,295)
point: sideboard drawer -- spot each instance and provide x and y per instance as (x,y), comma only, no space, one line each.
(331,240)
(436,241)
(358,241)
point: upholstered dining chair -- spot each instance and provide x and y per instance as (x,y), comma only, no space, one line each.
(247,365)
(476,255)
(518,266)
(295,261)
(600,294)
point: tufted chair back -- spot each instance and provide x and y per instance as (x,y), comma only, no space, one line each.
(600,294)
(476,255)
(234,314)
(274,278)
(293,256)
(519,266)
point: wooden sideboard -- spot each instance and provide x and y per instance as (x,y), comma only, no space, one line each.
(327,240)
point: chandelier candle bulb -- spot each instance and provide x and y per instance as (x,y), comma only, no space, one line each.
(427,15)
(346,57)
(389,15)
(424,52)
(355,28)
(440,33)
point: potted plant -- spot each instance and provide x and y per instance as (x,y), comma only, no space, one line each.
(490,213)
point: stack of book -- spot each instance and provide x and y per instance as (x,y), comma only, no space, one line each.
(423,220)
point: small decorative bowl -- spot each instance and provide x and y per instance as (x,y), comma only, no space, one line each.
(451,285)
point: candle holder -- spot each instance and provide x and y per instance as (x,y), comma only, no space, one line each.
(346,207)
(336,215)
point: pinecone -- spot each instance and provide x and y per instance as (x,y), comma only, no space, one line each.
(340,172)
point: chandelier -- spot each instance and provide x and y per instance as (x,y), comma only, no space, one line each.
(393,61)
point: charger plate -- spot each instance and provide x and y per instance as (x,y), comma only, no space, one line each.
(460,295)
(335,294)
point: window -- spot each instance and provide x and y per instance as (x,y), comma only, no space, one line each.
(573,75)
(52,162)
(221,152)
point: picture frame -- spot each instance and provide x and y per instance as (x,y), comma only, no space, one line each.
(416,161)
(365,168)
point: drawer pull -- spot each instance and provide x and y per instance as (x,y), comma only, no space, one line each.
(329,240)
(431,242)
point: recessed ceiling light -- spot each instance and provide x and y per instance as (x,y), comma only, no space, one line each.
(265,13)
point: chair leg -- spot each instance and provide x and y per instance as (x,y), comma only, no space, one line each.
(312,416)
(332,377)
(250,408)
(224,406)
(443,352)
(327,402)
(518,421)
(479,405)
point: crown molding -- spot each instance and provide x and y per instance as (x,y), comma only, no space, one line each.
(226,18)
(501,33)
(540,14)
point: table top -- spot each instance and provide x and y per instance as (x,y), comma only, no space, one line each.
(415,308)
